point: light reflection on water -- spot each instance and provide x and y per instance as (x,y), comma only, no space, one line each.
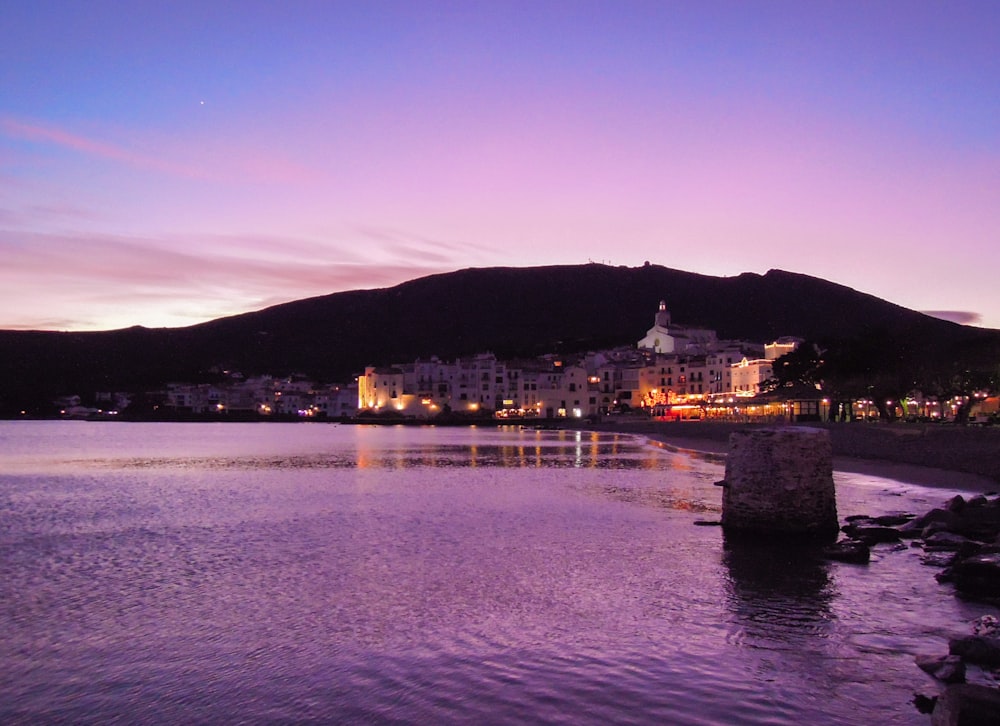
(224,573)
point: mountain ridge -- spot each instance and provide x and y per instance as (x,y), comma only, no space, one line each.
(510,311)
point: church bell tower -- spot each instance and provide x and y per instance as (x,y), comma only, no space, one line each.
(662,319)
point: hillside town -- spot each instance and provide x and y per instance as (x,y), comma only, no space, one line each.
(674,372)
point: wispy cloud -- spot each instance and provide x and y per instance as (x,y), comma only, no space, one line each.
(45,134)
(962,317)
(219,160)
(403,245)
(62,211)
(117,281)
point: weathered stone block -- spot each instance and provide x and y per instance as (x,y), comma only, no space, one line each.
(779,482)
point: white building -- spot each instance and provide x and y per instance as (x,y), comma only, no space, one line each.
(381,389)
(336,401)
(665,337)
(782,346)
(720,371)
(659,338)
(749,374)
(424,389)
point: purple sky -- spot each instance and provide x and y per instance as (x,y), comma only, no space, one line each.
(165,163)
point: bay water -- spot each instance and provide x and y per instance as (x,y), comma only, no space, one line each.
(318,573)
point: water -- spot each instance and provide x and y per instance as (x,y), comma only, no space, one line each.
(247,573)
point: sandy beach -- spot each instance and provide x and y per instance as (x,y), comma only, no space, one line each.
(956,457)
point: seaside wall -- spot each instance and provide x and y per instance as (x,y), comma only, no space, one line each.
(780,482)
(965,449)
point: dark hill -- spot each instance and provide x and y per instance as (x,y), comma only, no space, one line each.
(510,311)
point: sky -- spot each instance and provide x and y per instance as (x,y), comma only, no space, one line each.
(166,163)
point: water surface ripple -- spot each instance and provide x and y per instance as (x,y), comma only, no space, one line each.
(246,573)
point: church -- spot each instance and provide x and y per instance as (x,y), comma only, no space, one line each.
(664,337)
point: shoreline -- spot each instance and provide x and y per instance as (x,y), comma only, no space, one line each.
(932,455)
(881,459)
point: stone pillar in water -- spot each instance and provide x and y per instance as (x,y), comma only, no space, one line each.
(780,482)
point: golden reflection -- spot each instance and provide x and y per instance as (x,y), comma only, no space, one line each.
(681,463)
(578,449)
(362,455)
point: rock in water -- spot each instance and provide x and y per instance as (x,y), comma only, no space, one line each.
(779,482)
(975,577)
(967,704)
(945,668)
(852,551)
(979,649)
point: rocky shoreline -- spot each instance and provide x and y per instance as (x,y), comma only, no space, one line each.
(961,539)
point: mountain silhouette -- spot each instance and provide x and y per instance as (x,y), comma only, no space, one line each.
(511,312)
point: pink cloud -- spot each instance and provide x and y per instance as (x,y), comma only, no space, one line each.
(962,317)
(116,281)
(90,147)
(219,160)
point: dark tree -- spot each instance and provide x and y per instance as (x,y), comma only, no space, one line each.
(802,367)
